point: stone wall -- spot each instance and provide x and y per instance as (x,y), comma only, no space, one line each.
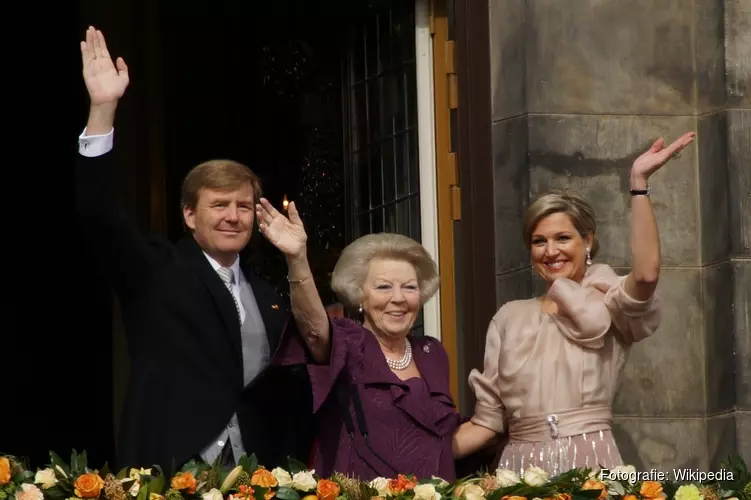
(580,88)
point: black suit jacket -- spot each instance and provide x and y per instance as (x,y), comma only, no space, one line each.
(184,342)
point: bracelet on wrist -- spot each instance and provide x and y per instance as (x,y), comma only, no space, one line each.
(297,282)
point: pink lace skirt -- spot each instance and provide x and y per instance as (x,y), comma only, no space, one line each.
(588,450)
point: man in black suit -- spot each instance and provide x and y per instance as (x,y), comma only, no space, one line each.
(201,327)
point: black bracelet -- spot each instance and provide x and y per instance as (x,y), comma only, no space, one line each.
(637,192)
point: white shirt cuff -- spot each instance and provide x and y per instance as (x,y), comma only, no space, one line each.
(95,145)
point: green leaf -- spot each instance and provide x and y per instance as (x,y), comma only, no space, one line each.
(157,485)
(296,466)
(259,492)
(58,462)
(143,494)
(104,470)
(253,464)
(122,474)
(285,493)
(245,463)
(82,461)
(54,493)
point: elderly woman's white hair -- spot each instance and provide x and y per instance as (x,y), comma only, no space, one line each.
(352,268)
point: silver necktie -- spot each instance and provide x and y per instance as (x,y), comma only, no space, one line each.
(228,277)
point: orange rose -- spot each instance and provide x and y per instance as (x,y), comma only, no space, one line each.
(562,496)
(263,478)
(401,483)
(594,484)
(184,481)
(327,490)
(310,497)
(651,489)
(4,471)
(88,485)
(630,497)
(513,497)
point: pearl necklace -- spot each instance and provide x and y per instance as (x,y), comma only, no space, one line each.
(403,363)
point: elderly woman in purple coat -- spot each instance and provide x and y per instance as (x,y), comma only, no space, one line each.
(381,396)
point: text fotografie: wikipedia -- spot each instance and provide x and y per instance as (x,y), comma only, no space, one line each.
(689,475)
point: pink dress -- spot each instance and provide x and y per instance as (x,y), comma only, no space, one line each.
(549,379)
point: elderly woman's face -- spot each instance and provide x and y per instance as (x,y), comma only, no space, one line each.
(558,250)
(391,297)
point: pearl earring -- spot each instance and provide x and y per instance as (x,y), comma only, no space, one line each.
(360,310)
(589,258)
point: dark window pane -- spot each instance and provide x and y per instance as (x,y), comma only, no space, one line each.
(361,181)
(376,177)
(389,174)
(391,222)
(414,162)
(414,217)
(401,32)
(384,40)
(371,47)
(400,100)
(401,155)
(363,225)
(402,217)
(358,56)
(375,102)
(377,220)
(411,103)
(359,118)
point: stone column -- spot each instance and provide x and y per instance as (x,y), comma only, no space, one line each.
(602,80)
(508,32)
(738,67)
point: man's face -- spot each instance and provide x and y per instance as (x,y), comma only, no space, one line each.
(222,221)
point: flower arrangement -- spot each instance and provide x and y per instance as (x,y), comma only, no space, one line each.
(197,480)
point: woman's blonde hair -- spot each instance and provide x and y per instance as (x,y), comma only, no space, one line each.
(352,268)
(558,201)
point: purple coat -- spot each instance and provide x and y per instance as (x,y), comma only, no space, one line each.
(411,423)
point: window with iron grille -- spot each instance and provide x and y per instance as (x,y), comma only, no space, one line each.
(382,173)
(381,81)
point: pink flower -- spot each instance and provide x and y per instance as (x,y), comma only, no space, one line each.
(29,492)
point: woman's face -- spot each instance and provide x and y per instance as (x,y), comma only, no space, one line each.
(558,250)
(391,298)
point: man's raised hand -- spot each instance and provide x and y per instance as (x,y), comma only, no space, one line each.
(105,82)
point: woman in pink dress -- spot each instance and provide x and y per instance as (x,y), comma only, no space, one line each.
(552,363)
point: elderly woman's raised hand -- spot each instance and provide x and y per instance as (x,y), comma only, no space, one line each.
(286,234)
(658,155)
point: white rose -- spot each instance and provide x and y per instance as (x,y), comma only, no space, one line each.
(46,477)
(535,476)
(304,481)
(214,494)
(471,491)
(134,489)
(381,484)
(282,477)
(426,492)
(506,478)
(136,473)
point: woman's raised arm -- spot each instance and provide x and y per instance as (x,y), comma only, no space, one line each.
(288,235)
